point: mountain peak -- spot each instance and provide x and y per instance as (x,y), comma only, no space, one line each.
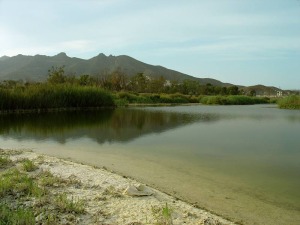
(22,67)
(62,54)
(4,57)
(101,55)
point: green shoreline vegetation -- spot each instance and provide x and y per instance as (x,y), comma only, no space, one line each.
(233,100)
(62,91)
(43,96)
(290,102)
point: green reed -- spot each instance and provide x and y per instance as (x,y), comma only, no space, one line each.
(233,100)
(45,96)
(290,102)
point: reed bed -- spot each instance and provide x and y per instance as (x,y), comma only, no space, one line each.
(290,102)
(45,96)
(149,98)
(233,100)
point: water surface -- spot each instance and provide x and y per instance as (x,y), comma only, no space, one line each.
(242,162)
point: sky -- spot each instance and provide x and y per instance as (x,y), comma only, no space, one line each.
(244,42)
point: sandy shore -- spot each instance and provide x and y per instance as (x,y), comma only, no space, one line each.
(113,199)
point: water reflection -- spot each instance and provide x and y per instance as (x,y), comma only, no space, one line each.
(239,161)
(107,125)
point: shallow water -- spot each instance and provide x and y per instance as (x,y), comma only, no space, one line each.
(242,162)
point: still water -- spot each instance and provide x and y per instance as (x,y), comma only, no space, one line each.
(241,162)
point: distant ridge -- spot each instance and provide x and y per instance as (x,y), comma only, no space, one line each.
(35,68)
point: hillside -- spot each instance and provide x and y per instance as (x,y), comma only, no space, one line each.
(261,90)
(35,68)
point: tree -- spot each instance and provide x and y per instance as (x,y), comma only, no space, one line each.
(118,80)
(56,75)
(157,85)
(208,89)
(139,83)
(233,90)
(252,92)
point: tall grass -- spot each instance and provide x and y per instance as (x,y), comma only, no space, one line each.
(5,162)
(29,166)
(16,216)
(15,183)
(232,100)
(69,205)
(163,216)
(45,96)
(147,98)
(290,102)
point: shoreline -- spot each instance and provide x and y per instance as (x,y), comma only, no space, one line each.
(110,198)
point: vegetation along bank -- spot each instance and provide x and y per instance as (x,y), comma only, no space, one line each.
(290,102)
(116,89)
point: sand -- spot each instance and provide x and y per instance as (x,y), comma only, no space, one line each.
(106,200)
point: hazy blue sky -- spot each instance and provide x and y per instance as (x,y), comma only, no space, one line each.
(239,41)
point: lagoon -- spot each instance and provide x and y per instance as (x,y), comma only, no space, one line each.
(241,162)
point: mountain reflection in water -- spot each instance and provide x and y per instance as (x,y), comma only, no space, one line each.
(239,161)
(107,125)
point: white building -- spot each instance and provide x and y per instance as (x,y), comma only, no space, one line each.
(279,93)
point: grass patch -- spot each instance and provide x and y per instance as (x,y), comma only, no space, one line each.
(47,179)
(162,215)
(28,198)
(18,216)
(29,166)
(66,205)
(5,162)
(290,102)
(15,183)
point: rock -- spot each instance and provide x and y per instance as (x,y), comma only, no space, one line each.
(140,190)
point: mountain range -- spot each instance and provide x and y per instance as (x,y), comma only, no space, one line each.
(35,68)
